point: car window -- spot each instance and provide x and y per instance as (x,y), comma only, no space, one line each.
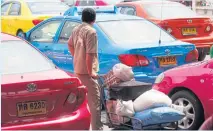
(129,11)
(15,9)
(4,9)
(112,2)
(19,57)
(87,3)
(67,30)
(134,32)
(47,7)
(46,32)
(168,10)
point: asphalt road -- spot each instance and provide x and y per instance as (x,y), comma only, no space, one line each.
(103,113)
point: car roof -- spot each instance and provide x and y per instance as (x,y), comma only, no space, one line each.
(33,0)
(106,17)
(151,2)
(6,37)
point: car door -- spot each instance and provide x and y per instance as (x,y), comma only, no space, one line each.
(43,36)
(61,53)
(4,21)
(13,17)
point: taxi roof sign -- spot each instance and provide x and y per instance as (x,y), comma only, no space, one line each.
(76,10)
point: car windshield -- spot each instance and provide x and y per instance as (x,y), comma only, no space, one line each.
(168,10)
(47,7)
(134,32)
(19,57)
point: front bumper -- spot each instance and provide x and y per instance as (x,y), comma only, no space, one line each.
(78,120)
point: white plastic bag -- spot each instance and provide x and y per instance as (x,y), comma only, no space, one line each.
(125,108)
(115,118)
(151,99)
(123,72)
(177,107)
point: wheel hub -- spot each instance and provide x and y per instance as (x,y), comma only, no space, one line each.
(189,111)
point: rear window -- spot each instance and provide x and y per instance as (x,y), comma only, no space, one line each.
(47,7)
(134,32)
(168,10)
(87,3)
(19,57)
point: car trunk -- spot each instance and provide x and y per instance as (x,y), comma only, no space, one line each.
(35,96)
(187,27)
(160,56)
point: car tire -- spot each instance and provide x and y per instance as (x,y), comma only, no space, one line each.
(193,110)
(21,34)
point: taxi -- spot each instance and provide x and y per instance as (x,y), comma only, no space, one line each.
(177,19)
(18,16)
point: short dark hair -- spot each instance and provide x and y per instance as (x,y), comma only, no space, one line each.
(88,15)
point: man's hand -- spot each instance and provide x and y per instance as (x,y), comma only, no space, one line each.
(94,75)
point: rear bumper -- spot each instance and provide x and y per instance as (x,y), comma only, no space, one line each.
(145,78)
(78,120)
(200,42)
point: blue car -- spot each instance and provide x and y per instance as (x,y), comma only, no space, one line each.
(130,40)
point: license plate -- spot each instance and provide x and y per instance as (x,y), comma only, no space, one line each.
(31,108)
(170,60)
(189,31)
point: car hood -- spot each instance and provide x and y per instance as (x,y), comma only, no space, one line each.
(187,69)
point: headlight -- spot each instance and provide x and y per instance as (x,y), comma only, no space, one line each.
(159,78)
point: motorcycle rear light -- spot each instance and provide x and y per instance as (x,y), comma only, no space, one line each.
(192,56)
(36,21)
(133,60)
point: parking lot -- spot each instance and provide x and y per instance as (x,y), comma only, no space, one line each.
(152,58)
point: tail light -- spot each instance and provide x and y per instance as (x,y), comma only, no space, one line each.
(208,28)
(165,26)
(35,22)
(133,60)
(192,56)
(75,98)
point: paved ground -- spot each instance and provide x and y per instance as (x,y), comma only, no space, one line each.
(103,113)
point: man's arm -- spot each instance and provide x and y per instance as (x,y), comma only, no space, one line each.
(91,50)
(71,46)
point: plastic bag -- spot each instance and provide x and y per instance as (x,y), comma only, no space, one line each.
(123,72)
(151,99)
(115,118)
(157,116)
(125,108)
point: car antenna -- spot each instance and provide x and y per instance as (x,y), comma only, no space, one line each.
(161,21)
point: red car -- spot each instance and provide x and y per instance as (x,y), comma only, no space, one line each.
(191,86)
(35,94)
(177,19)
(96,2)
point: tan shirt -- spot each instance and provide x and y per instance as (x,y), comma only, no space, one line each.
(84,40)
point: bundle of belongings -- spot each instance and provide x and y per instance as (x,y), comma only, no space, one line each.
(127,98)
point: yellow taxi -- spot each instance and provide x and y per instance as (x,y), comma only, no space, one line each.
(18,16)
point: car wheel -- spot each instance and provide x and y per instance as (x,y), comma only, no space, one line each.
(192,108)
(21,34)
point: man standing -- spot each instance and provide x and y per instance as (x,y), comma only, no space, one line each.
(83,46)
